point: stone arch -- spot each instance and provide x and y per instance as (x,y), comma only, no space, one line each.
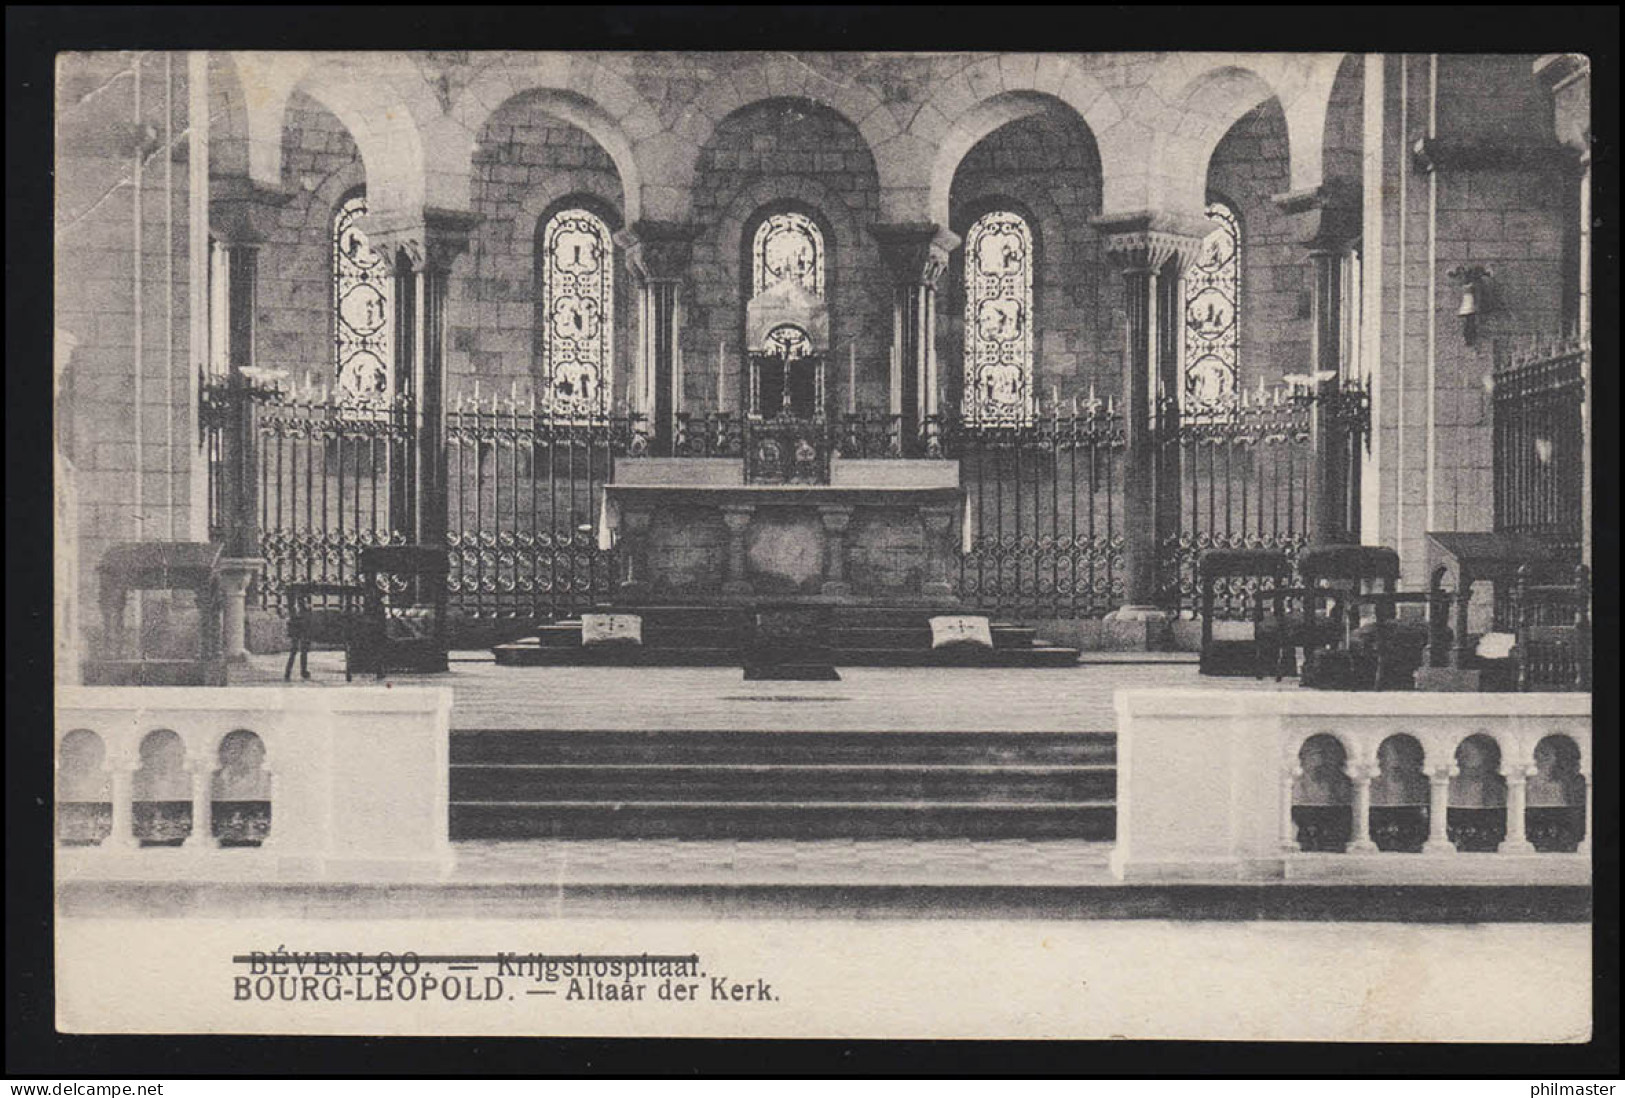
(575,89)
(1343,138)
(388,106)
(988,94)
(1045,165)
(774,76)
(1193,99)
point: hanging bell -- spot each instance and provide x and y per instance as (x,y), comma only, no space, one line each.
(1469,301)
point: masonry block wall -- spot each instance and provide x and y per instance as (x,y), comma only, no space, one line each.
(126,418)
(321,167)
(527,166)
(1491,193)
(779,154)
(1045,167)
(1248,168)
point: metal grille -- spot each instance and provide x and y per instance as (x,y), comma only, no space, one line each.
(1043,514)
(1237,474)
(1540,445)
(332,478)
(525,495)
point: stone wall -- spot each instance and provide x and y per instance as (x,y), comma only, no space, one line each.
(526,163)
(1047,168)
(321,167)
(1487,196)
(765,157)
(125,418)
(1247,170)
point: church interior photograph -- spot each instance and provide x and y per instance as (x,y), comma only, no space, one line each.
(775,478)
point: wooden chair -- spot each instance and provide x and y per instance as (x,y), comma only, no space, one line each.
(1236,657)
(404,626)
(310,623)
(1327,611)
(1552,623)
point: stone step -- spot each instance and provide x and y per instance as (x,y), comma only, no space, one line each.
(789,749)
(756,820)
(567,634)
(780,784)
(529,653)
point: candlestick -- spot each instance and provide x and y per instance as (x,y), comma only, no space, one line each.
(851,380)
(722,378)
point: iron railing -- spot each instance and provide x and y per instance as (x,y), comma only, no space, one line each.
(1045,500)
(1539,443)
(525,494)
(1242,474)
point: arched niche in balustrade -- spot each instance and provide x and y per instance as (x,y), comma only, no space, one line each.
(162,791)
(1554,816)
(1323,796)
(84,791)
(1399,796)
(1476,820)
(240,792)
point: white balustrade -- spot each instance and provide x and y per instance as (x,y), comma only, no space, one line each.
(357,780)
(1206,777)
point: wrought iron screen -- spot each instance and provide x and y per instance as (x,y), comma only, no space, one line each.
(1540,457)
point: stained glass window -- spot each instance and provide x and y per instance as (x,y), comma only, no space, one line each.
(998,320)
(577,286)
(788,245)
(1213,310)
(363,289)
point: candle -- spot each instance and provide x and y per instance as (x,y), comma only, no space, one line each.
(852,379)
(722,379)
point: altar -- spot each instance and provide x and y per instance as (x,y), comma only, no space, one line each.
(697,530)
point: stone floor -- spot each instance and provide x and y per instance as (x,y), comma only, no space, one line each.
(924,699)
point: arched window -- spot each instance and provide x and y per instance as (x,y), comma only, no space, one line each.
(788,245)
(577,295)
(998,320)
(363,310)
(1213,310)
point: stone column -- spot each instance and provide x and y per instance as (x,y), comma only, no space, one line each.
(1360,840)
(1517,777)
(1149,251)
(836,519)
(241,216)
(202,834)
(737,518)
(916,255)
(1289,830)
(121,767)
(420,248)
(1438,840)
(659,253)
(1327,218)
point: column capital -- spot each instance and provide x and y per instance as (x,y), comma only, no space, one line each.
(916,252)
(1325,218)
(242,212)
(659,251)
(429,239)
(1147,240)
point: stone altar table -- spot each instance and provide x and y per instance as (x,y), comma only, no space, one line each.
(690,530)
